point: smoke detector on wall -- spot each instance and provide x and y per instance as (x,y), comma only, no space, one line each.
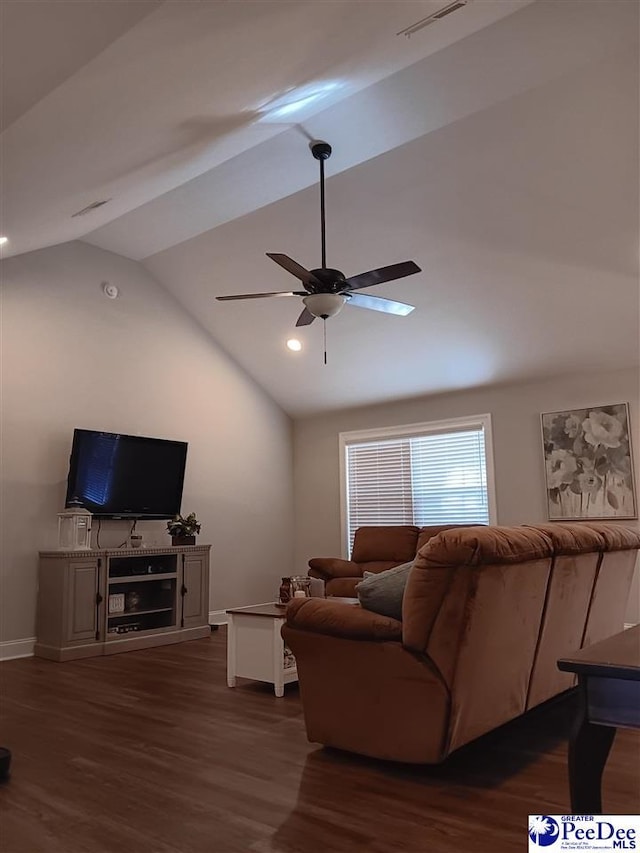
(110,290)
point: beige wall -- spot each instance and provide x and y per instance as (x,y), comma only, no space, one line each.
(138,364)
(515,411)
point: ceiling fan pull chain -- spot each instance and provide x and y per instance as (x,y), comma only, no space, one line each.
(324,326)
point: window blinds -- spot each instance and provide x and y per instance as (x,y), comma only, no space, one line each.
(433,478)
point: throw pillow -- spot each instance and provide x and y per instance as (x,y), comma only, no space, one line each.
(383,592)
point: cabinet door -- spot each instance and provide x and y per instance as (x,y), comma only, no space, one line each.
(82,600)
(195,590)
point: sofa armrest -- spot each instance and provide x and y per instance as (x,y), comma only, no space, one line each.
(341,587)
(340,619)
(333,567)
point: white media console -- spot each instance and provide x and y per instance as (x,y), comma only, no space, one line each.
(100,602)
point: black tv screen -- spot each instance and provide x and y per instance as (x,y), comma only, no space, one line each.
(126,476)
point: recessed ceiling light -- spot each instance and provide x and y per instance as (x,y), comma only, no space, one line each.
(294,344)
(3,240)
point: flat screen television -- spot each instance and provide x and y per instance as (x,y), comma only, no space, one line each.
(126,476)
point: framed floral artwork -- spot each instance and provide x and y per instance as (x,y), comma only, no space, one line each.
(589,463)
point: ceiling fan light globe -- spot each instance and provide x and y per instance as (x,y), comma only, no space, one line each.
(324,304)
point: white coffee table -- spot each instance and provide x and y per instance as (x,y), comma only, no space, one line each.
(255,648)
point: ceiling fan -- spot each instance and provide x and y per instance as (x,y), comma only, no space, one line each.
(328,290)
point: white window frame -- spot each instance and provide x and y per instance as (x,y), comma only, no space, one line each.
(381,433)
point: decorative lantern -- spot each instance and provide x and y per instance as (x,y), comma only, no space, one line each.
(74,529)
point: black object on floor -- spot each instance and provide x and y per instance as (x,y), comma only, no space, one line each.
(5,763)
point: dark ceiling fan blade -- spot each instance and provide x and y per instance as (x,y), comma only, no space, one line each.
(262,295)
(379,303)
(294,268)
(379,276)
(306,318)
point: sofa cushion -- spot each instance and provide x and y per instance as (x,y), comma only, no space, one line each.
(333,567)
(451,552)
(395,543)
(616,536)
(570,538)
(341,587)
(432,530)
(383,592)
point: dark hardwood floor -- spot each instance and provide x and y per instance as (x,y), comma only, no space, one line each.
(151,752)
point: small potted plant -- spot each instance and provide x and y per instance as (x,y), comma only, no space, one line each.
(183,529)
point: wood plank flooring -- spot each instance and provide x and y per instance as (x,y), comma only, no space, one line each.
(151,752)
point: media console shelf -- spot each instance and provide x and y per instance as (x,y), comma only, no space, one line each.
(103,602)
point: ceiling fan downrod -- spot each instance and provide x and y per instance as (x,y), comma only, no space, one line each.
(321,151)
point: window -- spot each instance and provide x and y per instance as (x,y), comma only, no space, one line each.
(431,473)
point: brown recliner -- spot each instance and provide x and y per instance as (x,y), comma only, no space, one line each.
(487,612)
(375,549)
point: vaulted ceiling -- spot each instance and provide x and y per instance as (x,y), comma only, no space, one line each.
(497,147)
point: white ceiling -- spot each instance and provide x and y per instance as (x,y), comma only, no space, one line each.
(497,148)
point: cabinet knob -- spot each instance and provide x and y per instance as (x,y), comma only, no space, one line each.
(99,598)
(184,590)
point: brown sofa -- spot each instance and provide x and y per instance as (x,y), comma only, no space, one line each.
(487,612)
(375,549)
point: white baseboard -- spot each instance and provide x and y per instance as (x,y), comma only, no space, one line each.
(218,617)
(12,649)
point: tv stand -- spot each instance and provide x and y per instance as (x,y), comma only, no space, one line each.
(108,601)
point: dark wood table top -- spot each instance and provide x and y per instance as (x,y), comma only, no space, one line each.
(615,657)
(272,610)
(278,611)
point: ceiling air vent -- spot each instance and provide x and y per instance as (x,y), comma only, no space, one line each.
(431,19)
(94,206)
